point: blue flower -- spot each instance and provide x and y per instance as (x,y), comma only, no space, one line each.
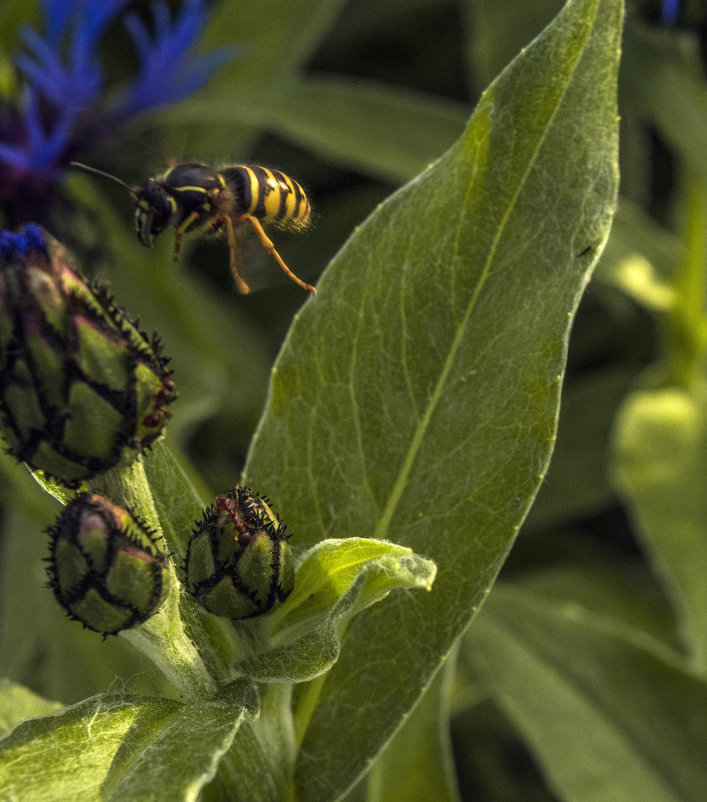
(13,245)
(670,11)
(65,108)
(164,78)
(74,81)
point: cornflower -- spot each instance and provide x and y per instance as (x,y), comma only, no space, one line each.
(63,107)
(670,11)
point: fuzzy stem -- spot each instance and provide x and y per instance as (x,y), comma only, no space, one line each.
(164,639)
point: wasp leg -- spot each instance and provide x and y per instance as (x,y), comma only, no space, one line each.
(230,233)
(178,233)
(270,248)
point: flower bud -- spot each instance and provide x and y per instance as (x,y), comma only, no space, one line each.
(104,566)
(239,563)
(81,388)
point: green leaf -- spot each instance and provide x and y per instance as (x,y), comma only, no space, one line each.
(336,580)
(667,83)
(608,716)
(388,132)
(661,459)
(577,481)
(272,42)
(250,770)
(495,33)
(416,397)
(116,748)
(417,763)
(259,764)
(56,488)
(18,703)
(620,589)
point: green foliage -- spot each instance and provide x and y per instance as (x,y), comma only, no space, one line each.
(404,771)
(129,747)
(408,425)
(603,707)
(336,580)
(20,703)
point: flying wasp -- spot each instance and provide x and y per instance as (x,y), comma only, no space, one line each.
(193,197)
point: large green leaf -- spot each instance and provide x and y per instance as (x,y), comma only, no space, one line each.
(416,397)
(120,748)
(609,715)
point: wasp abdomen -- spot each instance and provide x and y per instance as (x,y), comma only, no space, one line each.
(268,195)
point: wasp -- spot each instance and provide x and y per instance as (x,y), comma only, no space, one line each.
(196,197)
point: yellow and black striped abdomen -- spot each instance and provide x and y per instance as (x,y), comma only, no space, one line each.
(268,195)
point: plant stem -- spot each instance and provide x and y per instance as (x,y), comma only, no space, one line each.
(164,639)
(687,331)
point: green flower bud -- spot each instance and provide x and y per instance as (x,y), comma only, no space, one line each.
(104,566)
(239,563)
(81,388)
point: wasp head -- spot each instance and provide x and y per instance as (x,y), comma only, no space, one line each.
(154,208)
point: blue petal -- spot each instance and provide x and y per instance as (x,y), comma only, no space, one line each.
(57,14)
(19,244)
(14,156)
(167,72)
(34,237)
(89,28)
(41,149)
(671,9)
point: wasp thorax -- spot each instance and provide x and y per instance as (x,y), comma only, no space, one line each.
(81,388)
(104,567)
(239,563)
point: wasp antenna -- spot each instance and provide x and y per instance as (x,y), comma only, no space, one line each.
(84,168)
